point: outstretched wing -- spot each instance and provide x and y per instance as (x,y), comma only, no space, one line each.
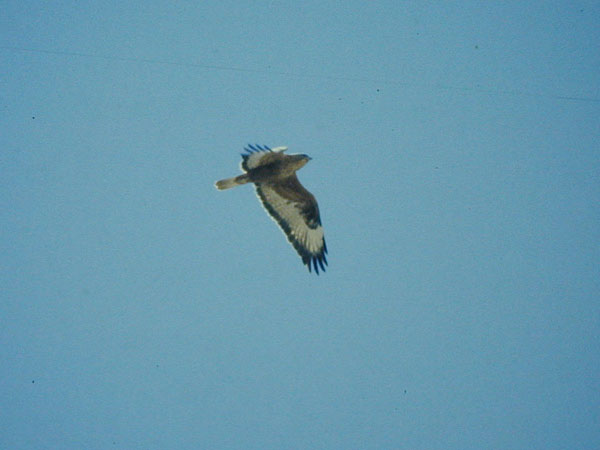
(296,212)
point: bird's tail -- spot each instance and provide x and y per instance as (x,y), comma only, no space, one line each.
(228,183)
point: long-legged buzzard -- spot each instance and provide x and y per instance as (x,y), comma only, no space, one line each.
(293,208)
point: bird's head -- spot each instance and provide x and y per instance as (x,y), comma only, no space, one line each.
(301,160)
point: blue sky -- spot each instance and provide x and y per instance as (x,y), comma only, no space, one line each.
(456,163)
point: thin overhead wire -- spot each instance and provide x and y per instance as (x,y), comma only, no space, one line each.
(480,89)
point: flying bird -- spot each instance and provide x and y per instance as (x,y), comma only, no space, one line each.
(289,204)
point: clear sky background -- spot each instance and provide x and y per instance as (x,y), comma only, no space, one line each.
(456,161)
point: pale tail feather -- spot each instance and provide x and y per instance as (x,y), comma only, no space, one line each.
(228,183)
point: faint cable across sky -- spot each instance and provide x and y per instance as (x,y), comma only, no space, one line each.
(512,92)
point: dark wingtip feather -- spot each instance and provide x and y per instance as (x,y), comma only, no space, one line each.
(321,264)
(253,148)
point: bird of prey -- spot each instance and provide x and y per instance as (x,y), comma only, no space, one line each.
(289,204)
